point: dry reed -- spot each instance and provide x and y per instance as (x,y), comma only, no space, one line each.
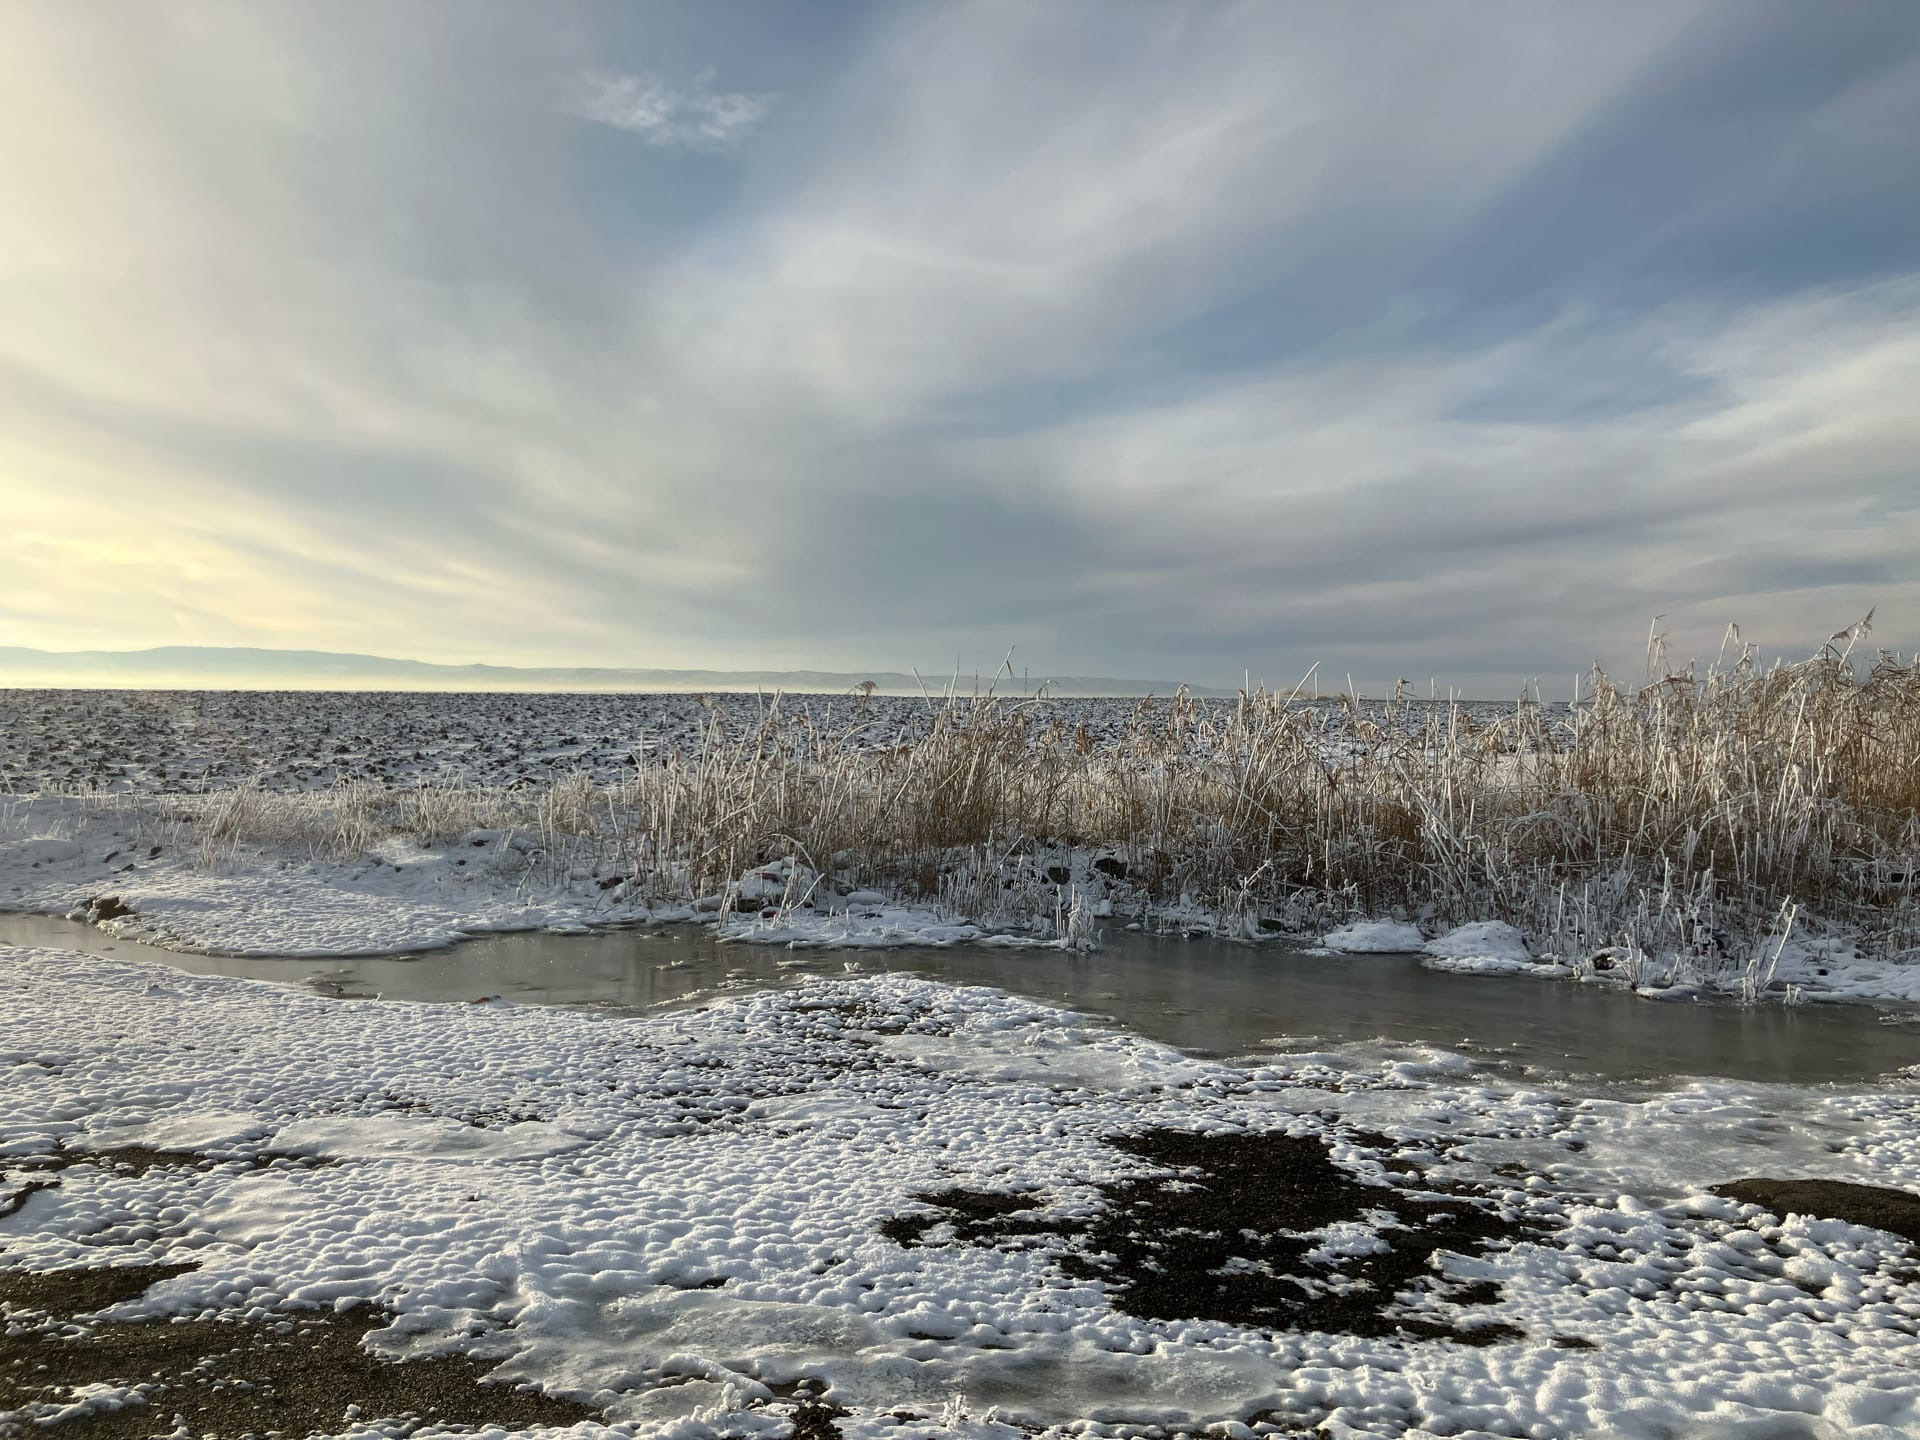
(1682,818)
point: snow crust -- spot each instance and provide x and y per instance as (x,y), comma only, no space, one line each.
(670,1216)
(1483,939)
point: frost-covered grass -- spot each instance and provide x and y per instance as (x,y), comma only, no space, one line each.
(1694,817)
(1690,829)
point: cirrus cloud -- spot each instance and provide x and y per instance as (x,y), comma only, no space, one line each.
(695,115)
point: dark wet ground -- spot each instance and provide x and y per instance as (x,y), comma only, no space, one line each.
(294,1375)
(1227,1230)
(1895,1211)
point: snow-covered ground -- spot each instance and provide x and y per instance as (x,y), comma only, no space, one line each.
(157,742)
(959,1212)
(117,866)
(167,742)
(919,1194)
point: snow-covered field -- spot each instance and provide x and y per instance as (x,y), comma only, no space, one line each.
(183,741)
(157,742)
(929,1199)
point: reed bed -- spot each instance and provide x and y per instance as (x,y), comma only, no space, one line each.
(1692,816)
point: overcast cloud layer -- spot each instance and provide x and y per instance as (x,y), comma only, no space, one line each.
(1152,339)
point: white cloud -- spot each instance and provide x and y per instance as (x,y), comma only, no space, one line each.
(364,372)
(991,203)
(1354,509)
(694,116)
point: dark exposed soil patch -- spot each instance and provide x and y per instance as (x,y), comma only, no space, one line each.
(296,1375)
(79,1292)
(1895,1211)
(139,1159)
(1219,1238)
(975,1217)
(1224,1233)
(132,1160)
(813,1420)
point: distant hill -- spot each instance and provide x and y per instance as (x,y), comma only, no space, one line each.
(197,667)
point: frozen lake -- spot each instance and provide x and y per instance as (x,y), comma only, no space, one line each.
(1205,996)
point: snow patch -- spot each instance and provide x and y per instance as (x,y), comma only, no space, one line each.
(1375,937)
(1481,940)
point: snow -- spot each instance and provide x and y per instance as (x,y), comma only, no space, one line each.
(1485,947)
(37,850)
(1483,939)
(1375,937)
(1834,969)
(788,903)
(549,1190)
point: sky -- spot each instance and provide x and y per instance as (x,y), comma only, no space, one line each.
(1197,341)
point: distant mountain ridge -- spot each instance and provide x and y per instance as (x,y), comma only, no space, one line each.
(209,667)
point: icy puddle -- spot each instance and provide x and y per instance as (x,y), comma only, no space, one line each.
(1203,996)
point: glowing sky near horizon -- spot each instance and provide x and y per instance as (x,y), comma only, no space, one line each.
(1172,340)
